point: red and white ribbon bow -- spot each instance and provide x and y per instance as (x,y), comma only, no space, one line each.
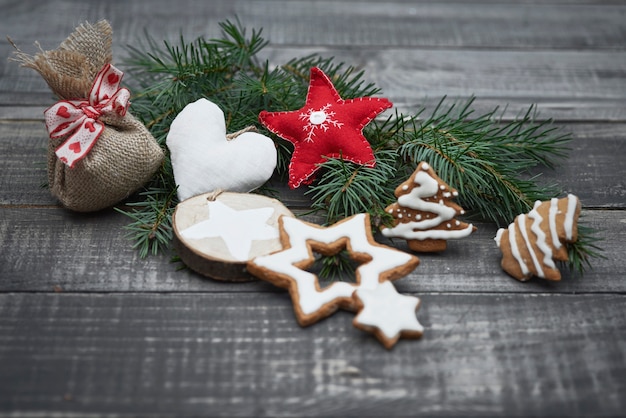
(80,117)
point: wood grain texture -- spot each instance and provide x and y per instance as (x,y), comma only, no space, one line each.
(211,255)
(23,151)
(409,76)
(568,85)
(233,354)
(90,253)
(561,110)
(418,51)
(506,24)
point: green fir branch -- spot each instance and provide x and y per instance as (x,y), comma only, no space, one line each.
(586,248)
(151,226)
(487,160)
(490,161)
(345,189)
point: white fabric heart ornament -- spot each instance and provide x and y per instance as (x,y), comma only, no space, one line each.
(204,160)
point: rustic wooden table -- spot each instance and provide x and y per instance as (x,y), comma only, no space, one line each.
(87,327)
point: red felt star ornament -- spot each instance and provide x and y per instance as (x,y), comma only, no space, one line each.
(326,127)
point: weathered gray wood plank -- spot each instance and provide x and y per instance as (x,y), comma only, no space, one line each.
(585,85)
(51,249)
(561,110)
(594,170)
(244,354)
(23,150)
(409,76)
(504,24)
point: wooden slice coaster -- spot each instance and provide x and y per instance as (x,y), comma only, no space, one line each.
(216,235)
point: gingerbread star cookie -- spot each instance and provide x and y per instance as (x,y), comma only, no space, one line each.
(300,239)
(387,314)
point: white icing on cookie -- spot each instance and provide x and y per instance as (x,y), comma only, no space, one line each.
(524,232)
(515,249)
(388,311)
(541,236)
(428,187)
(568,224)
(498,237)
(552,212)
(407,231)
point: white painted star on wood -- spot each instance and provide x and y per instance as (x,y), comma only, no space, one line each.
(237,228)
(387,314)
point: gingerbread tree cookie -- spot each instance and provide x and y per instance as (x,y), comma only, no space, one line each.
(533,241)
(424,214)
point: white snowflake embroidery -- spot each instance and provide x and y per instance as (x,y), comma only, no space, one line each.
(322,118)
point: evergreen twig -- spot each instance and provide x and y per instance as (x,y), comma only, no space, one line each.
(486,159)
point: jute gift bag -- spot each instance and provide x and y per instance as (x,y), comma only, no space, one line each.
(98,153)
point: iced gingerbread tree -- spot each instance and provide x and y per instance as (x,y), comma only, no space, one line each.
(424,214)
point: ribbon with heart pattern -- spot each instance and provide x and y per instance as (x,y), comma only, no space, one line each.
(80,117)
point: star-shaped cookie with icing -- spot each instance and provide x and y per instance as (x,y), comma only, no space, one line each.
(287,268)
(387,314)
(326,127)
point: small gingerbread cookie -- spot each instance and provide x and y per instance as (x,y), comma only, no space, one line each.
(424,213)
(287,268)
(387,314)
(533,241)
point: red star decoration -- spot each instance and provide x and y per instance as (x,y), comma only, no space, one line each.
(326,127)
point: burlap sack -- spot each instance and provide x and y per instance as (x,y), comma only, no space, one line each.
(125,155)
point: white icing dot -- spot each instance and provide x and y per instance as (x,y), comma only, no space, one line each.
(399,216)
(455,193)
(317,118)
(405,187)
(457,223)
(446,194)
(425,166)
(462,212)
(418,217)
(442,187)
(449,226)
(390,210)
